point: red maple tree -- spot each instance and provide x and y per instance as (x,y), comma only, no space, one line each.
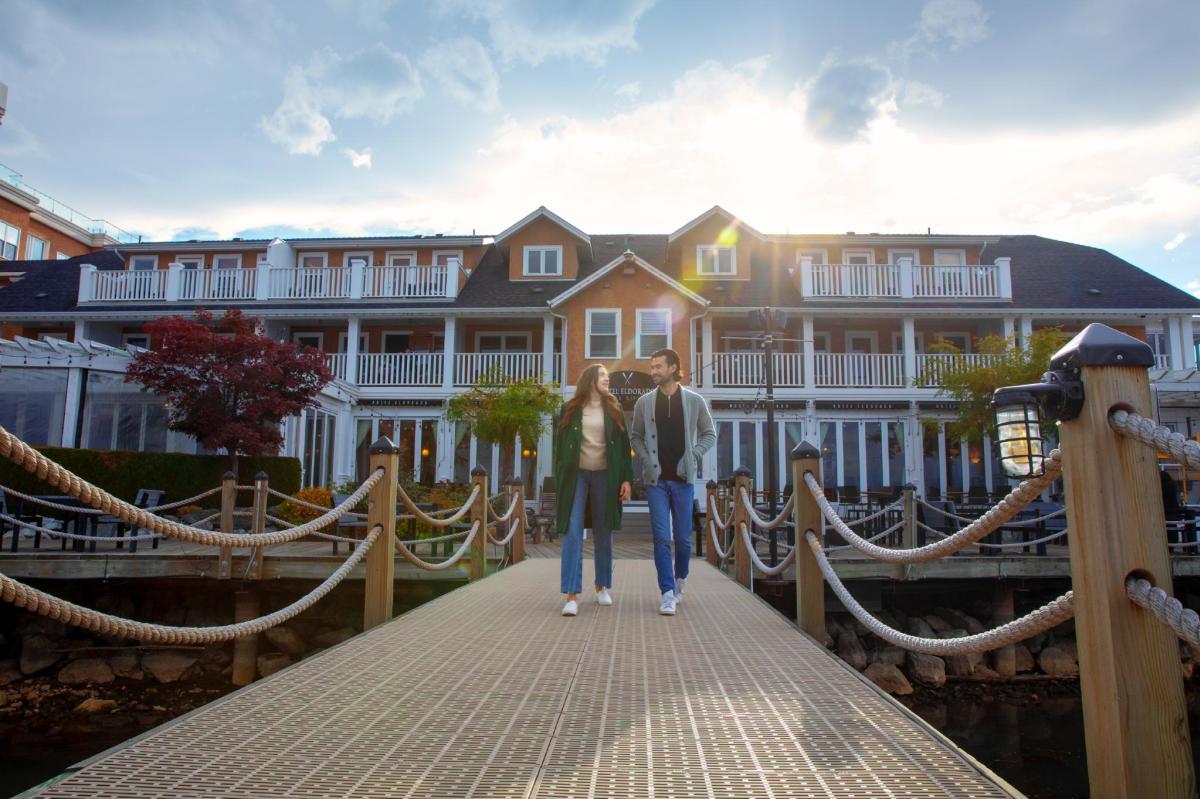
(225,383)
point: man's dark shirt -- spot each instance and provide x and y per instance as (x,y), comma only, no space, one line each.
(668,420)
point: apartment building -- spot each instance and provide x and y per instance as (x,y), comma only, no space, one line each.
(407,321)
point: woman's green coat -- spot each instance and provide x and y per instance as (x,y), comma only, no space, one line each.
(567,442)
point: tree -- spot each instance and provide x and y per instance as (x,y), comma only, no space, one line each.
(973,382)
(498,410)
(226,384)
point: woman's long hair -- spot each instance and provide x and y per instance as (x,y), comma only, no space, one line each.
(588,384)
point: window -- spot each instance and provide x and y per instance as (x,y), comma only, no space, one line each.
(447,257)
(895,256)
(61,256)
(344,338)
(821,342)
(136,340)
(712,259)
(36,249)
(227,261)
(502,342)
(653,330)
(143,263)
(401,259)
(314,340)
(543,260)
(9,236)
(949,257)
(960,341)
(191,261)
(397,341)
(818,256)
(860,257)
(313,260)
(603,333)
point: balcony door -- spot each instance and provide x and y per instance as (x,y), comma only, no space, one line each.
(863,345)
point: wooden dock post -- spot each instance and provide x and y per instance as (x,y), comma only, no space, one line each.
(710,502)
(228,503)
(516,492)
(479,512)
(810,584)
(908,508)
(258,523)
(1004,659)
(381,560)
(741,557)
(1134,712)
(246,606)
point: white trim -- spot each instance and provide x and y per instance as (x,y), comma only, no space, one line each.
(896,253)
(126,336)
(918,339)
(541,248)
(717,210)
(638,328)
(16,244)
(198,259)
(300,256)
(29,239)
(873,335)
(504,334)
(458,254)
(383,334)
(221,255)
(700,248)
(803,251)
(966,336)
(543,211)
(364,340)
(618,261)
(133,259)
(587,340)
(848,252)
(320,339)
(390,254)
(961,252)
(348,254)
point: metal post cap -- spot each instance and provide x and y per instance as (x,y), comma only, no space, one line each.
(1100,345)
(742,471)
(479,471)
(230,475)
(383,446)
(262,476)
(805,450)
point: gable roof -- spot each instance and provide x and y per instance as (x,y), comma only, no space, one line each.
(716,210)
(626,258)
(49,286)
(544,212)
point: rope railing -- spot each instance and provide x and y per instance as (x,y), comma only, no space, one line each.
(492,514)
(432,520)
(714,514)
(766,524)
(1166,608)
(722,554)
(1155,435)
(881,512)
(512,530)
(996,517)
(1007,545)
(179,503)
(29,598)
(47,531)
(444,564)
(968,519)
(435,539)
(881,534)
(1037,621)
(769,571)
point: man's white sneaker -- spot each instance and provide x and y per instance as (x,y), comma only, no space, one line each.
(603,598)
(679,590)
(571,608)
(667,607)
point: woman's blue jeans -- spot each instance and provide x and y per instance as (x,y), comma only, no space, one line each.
(592,487)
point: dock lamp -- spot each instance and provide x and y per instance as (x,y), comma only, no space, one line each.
(1022,411)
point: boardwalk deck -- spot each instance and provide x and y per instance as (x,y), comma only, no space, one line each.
(487,691)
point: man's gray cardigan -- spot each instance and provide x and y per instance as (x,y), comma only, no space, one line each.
(699,435)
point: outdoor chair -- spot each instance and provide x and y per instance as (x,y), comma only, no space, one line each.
(17,513)
(145,498)
(545,517)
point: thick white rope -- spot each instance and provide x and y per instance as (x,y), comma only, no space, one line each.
(445,564)
(503,542)
(47,503)
(1021,523)
(881,512)
(767,540)
(24,596)
(1008,545)
(766,524)
(714,514)
(508,513)
(1163,439)
(181,502)
(722,555)
(434,521)
(449,537)
(769,571)
(75,536)
(881,534)
(999,514)
(1166,608)
(1029,625)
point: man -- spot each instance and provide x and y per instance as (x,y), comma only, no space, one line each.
(672,429)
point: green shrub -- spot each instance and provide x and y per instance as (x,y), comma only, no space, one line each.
(122,473)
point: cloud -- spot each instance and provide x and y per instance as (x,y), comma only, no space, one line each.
(846,97)
(917,93)
(630,91)
(952,24)
(196,233)
(533,31)
(298,125)
(1179,238)
(1193,286)
(464,70)
(358,159)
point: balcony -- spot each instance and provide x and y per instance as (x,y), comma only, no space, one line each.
(266,283)
(746,370)
(470,367)
(931,367)
(906,280)
(858,370)
(835,370)
(401,369)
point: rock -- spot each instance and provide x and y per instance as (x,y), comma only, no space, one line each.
(927,669)
(167,666)
(983,671)
(286,640)
(217,655)
(96,706)
(920,628)
(334,637)
(833,628)
(858,627)
(1035,643)
(938,624)
(1057,663)
(9,673)
(85,670)
(1187,667)
(828,641)
(960,619)
(963,665)
(851,650)
(1069,647)
(888,654)
(28,625)
(127,664)
(37,654)
(1024,659)
(889,678)
(272,662)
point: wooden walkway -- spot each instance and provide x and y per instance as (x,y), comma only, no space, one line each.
(488,692)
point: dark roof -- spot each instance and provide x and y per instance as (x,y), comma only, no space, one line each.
(49,286)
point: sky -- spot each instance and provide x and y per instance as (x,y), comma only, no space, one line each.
(218,118)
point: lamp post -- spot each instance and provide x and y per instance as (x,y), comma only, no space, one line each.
(771,320)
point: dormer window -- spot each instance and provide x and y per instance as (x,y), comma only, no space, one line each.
(713,260)
(542,261)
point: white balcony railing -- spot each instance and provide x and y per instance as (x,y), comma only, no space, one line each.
(981,281)
(856,280)
(401,369)
(932,366)
(405,281)
(308,283)
(856,370)
(218,284)
(335,362)
(746,369)
(469,367)
(905,280)
(1162,361)
(150,284)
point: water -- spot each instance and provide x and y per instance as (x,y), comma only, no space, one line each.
(32,763)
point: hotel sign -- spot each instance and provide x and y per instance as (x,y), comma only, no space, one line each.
(750,405)
(400,403)
(860,405)
(627,386)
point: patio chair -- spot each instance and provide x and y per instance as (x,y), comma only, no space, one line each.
(145,498)
(16,513)
(545,517)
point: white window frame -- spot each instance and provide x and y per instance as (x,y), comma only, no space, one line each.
(894,255)
(16,242)
(587,341)
(300,256)
(344,339)
(872,335)
(125,339)
(319,335)
(133,261)
(217,257)
(457,254)
(261,259)
(365,254)
(383,335)
(392,256)
(947,334)
(716,248)
(847,254)
(961,253)
(822,335)
(638,334)
(29,240)
(198,260)
(504,335)
(540,249)
(813,251)
(918,341)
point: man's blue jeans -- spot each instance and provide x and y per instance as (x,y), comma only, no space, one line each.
(592,486)
(671,518)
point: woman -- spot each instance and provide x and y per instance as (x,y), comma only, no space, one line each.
(592,470)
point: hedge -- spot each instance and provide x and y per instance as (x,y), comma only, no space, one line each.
(122,473)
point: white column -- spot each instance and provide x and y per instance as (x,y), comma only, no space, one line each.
(806,276)
(358,277)
(262,277)
(343,441)
(83,330)
(446,450)
(352,334)
(1004,277)
(1176,338)
(914,449)
(547,348)
(72,408)
(1026,331)
(810,352)
(1010,328)
(87,282)
(174,281)
(453,272)
(1187,336)
(812,425)
(906,277)
(448,357)
(910,350)
(706,354)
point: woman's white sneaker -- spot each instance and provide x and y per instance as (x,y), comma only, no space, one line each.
(571,608)
(667,607)
(603,598)
(679,583)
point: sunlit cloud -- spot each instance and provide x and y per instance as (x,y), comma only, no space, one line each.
(1176,240)
(464,70)
(357,158)
(630,91)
